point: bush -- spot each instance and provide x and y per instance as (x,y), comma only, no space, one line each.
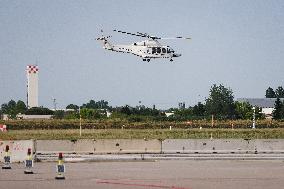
(136,123)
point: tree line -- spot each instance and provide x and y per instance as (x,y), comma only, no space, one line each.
(278,93)
(220,103)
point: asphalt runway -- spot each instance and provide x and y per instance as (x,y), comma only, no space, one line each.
(164,174)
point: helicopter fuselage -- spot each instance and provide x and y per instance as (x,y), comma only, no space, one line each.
(145,49)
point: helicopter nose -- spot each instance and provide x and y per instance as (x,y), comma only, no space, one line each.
(176,55)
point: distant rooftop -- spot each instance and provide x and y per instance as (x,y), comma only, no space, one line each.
(260,102)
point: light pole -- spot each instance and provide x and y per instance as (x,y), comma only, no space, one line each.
(253,119)
(54,103)
(80,122)
(139,104)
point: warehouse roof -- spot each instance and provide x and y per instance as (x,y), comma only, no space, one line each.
(260,102)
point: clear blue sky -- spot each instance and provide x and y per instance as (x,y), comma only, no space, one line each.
(236,43)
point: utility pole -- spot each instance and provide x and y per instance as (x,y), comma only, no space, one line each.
(80,121)
(253,121)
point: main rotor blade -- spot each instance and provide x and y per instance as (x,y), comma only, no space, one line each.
(174,38)
(139,35)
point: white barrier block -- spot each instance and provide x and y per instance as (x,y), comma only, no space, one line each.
(127,146)
(84,146)
(54,146)
(269,145)
(207,146)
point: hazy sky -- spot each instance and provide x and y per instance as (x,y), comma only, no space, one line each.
(236,43)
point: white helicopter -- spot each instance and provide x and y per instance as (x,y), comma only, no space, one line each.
(147,49)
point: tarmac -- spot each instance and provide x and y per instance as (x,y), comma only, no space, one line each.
(139,174)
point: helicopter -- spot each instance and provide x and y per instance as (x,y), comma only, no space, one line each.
(147,49)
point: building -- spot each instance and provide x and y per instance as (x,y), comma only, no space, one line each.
(266,104)
(32,85)
(29,117)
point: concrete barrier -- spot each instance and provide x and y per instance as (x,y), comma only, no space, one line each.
(98,146)
(84,146)
(54,146)
(233,146)
(269,145)
(18,149)
(127,146)
(207,146)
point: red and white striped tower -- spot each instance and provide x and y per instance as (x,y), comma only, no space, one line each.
(32,85)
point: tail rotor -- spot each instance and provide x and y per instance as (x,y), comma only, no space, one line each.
(103,37)
(106,43)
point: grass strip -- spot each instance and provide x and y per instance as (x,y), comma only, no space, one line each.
(73,134)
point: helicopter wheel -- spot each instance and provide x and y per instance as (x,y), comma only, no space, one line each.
(144,59)
(148,60)
(171,60)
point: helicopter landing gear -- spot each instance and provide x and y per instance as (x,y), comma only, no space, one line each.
(148,60)
(171,60)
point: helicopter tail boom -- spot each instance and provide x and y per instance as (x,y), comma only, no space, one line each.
(106,43)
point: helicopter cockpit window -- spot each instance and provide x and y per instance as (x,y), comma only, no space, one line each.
(163,50)
(159,50)
(154,50)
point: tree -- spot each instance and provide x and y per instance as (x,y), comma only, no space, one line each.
(72,106)
(91,114)
(270,93)
(126,110)
(279,92)
(243,110)
(71,115)
(220,102)
(39,111)
(21,107)
(199,109)
(10,109)
(12,104)
(4,108)
(58,114)
(278,109)
(96,105)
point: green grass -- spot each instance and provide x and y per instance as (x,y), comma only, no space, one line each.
(72,134)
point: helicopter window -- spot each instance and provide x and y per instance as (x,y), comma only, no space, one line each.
(164,50)
(159,50)
(154,50)
(168,50)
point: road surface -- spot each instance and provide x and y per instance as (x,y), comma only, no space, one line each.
(163,174)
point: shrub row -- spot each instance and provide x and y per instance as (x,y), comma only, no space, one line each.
(118,124)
